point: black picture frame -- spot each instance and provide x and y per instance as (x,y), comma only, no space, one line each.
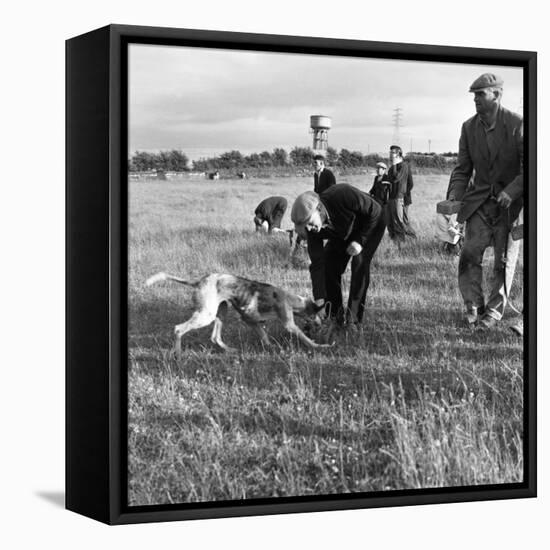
(96,271)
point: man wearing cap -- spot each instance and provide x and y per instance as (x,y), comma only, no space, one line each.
(323,178)
(352,223)
(381,186)
(490,149)
(400,197)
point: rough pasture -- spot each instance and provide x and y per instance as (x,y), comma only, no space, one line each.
(411,400)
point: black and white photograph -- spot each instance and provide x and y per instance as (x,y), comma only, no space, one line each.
(342,370)
(325,275)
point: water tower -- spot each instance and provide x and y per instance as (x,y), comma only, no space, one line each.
(320,125)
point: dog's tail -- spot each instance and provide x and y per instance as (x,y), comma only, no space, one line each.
(166,277)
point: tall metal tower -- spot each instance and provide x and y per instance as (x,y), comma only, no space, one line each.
(397,124)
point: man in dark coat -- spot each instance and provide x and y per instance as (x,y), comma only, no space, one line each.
(323,178)
(491,148)
(380,189)
(270,210)
(400,197)
(353,224)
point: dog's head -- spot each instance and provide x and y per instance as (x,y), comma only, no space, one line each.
(306,307)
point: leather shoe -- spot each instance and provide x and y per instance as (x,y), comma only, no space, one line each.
(470,317)
(487,322)
(518,327)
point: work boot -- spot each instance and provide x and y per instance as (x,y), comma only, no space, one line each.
(471,316)
(487,322)
(518,327)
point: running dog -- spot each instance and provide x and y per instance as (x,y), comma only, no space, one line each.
(254,302)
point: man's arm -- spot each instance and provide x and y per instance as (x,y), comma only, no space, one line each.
(514,190)
(407,199)
(462,172)
(373,188)
(330,179)
(367,213)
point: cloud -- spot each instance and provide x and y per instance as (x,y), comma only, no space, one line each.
(190,95)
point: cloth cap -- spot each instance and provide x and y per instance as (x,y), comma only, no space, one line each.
(319,157)
(302,209)
(486,80)
(381,165)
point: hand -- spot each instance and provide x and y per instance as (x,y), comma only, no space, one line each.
(504,199)
(354,248)
(321,313)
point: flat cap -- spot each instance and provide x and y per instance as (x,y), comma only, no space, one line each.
(302,209)
(319,156)
(381,165)
(486,80)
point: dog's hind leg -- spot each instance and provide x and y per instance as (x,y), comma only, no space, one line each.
(216,336)
(199,319)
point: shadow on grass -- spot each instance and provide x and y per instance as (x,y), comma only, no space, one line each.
(404,333)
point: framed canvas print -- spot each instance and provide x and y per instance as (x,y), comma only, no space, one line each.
(301,274)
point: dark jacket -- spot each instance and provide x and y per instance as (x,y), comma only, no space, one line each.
(379,190)
(272,210)
(324,181)
(270,205)
(353,216)
(401,180)
(501,170)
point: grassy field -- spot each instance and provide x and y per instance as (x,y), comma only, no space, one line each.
(413,400)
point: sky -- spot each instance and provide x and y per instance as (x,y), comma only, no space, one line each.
(200,100)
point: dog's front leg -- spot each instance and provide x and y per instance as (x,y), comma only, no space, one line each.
(295,329)
(260,331)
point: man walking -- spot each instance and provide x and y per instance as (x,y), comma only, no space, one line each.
(353,224)
(491,148)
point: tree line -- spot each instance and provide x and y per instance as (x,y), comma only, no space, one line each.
(299,157)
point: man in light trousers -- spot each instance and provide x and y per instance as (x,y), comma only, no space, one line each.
(490,149)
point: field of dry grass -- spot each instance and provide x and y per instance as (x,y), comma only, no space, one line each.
(411,400)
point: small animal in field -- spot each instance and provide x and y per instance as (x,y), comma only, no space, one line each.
(254,301)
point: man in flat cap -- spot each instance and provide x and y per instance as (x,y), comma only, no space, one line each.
(323,178)
(352,223)
(380,186)
(490,149)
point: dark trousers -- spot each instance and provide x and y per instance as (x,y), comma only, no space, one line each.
(336,261)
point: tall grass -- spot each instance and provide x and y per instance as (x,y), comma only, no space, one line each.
(412,399)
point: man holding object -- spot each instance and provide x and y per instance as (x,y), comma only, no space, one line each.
(352,223)
(490,149)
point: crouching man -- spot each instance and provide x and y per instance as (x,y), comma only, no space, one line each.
(352,223)
(270,212)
